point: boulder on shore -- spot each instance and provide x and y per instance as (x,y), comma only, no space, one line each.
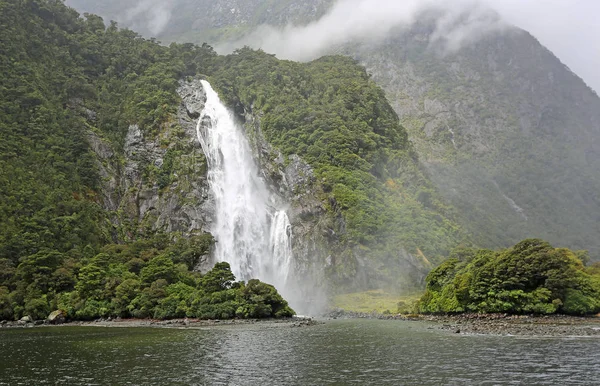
(25,320)
(57,317)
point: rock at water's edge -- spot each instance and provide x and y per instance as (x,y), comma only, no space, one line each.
(57,317)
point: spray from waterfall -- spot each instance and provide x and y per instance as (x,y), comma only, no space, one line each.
(251,235)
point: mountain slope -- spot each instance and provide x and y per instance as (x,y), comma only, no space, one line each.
(385,219)
(104,200)
(509,135)
(202,20)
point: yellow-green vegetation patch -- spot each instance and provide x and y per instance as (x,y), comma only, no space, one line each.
(378,301)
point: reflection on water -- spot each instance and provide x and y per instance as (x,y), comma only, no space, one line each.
(343,352)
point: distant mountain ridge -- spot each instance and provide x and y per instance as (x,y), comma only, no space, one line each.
(203,20)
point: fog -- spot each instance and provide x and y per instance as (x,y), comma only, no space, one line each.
(569,28)
(152,15)
(463,21)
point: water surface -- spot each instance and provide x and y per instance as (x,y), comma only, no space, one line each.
(344,352)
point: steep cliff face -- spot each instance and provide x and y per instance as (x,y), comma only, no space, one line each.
(295,185)
(509,134)
(157,182)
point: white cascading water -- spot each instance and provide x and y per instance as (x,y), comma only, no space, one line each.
(281,244)
(251,236)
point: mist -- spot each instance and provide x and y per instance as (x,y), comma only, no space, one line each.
(568,28)
(152,15)
(365,20)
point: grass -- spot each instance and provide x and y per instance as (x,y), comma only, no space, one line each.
(377,301)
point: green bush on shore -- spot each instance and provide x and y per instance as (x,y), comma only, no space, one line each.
(145,279)
(530,278)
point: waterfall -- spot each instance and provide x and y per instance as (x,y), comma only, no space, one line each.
(281,244)
(250,235)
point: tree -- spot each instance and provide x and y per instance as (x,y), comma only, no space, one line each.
(219,278)
(531,277)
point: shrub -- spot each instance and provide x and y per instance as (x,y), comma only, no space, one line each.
(532,277)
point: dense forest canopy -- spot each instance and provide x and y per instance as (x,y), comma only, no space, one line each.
(333,115)
(65,76)
(510,136)
(531,277)
(68,77)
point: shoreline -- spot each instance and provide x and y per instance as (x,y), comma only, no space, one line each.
(521,325)
(170,323)
(465,324)
(494,324)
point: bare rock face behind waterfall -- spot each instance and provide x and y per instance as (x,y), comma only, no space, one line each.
(153,186)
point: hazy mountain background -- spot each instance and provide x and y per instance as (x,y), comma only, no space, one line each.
(508,133)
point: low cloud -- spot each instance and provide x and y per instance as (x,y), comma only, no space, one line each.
(351,20)
(569,28)
(151,15)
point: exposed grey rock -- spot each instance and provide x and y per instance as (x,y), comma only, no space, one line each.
(294,186)
(107,167)
(130,178)
(193,97)
(57,317)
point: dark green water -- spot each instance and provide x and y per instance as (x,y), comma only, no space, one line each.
(347,352)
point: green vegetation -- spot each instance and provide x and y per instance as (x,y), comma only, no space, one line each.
(145,279)
(378,301)
(66,77)
(210,21)
(531,277)
(508,175)
(63,78)
(485,137)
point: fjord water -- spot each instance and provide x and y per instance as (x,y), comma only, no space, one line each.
(251,233)
(341,352)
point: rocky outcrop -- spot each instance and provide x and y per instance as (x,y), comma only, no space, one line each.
(25,320)
(295,186)
(157,181)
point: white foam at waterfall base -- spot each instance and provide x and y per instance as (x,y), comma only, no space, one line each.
(252,237)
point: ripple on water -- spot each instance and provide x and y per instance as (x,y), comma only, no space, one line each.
(339,352)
